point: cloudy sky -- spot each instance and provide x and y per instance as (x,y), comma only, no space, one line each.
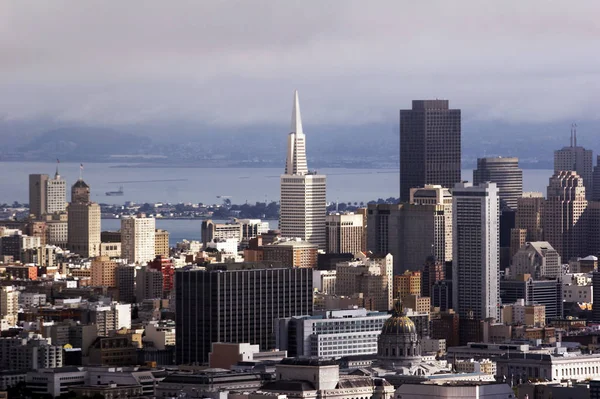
(236,63)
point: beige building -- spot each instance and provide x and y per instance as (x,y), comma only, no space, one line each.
(521,314)
(57,229)
(408,283)
(9,306)
(103,272)
(138,239)
(161,242)
(212,231)
(303,204)
(83,222)
(291,252)
(110,249)
(56,194)
(420,304)
(472,366)
(371,277)
(539,259)
(563,222)
(518,238)
(344,233)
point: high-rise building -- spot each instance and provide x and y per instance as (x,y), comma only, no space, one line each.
(576,159)
(161,242)
(291,253)
(57,228)
(103,272)
(505,173)
(530,215)
(476,250)
(9,306)
(596,296)
(56,194)
(408,283)
(303,192)
(137,239)
(433,271)
(245,300)
(344,233)
(125,279)
(383,228)
(37,194)
(543,292)
(596,181)
(563,222)
(220,231)
(430,146)
(83,222)
(148,284)
(164,265)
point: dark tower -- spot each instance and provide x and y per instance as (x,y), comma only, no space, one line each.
(429,146)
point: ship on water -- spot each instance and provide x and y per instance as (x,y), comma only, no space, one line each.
(115,193)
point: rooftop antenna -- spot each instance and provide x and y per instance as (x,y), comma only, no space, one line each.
(571,135)
(80,171)
(575,134)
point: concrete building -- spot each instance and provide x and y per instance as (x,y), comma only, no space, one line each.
(529,215)
(149,283)
(543,292)
(164,265)
(558,367)
(335,333)
(420,304)
(475,390)
(596,180)
(433,271)
(161,242)
(138,239)
(383,231)
(107,317)
(505,173)
(564,225)
(103,272)
(160,333)
(476,366)
(442,199)
(291,252)
(9,306)
(476,250)
(303,193)
(83,222)
(576,159)
(344,233)
(56,195)
(408,283)
(538,259)
(373,278)
(256,296)
(125,279)
(252,228)
(520,313)
(430,146)
(57,229)
(324,281)
(239,356)
(596,296)
(37,195)
(220,231)
(55,382)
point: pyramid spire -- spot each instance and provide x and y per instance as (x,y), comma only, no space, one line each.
(296,118)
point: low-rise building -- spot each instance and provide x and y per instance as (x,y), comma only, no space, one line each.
(476,366)
(455,390)
(160,334)
(292,252)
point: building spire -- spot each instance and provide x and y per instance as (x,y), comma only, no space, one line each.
(296,118)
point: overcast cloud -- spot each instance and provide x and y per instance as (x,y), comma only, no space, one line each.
(237,62)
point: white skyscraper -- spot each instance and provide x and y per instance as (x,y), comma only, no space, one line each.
(303,192)
(138,239)
(476,258)
(56,194)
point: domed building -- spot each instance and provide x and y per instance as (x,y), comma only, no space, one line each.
(399,344)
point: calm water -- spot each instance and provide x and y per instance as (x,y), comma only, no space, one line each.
(205,184)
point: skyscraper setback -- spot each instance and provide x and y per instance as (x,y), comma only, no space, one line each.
(430,146)
(303,192)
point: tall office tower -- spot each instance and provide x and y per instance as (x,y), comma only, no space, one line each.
(244,302)
(56,194)
(476,250)
(83,222)
(544,292)
(596,181)
(344,233)
(383,227)
(103,272)
(429,146)
(161,242)
(564,225)
(426,226)
(505,173)
(576,159)
(593,228)
(303,192)
(125,278)
(529,215)
(37,195)
(137,239)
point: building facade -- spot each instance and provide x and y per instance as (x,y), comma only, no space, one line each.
(161,242)
(538,259)
(138,239)
(235,303)
(291,253)
(430,146)
(476,250)
(576,159)
(104,272)
(373,278)
(37,194)
(83,222)
(505,173)
(344,233)
(303,193)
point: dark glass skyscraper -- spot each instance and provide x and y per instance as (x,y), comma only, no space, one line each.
(506,174)
(429,146)
(235,303)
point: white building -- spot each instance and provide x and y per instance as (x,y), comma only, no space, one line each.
(476,366)
(476,250)
(578,293)
(27,299)
(137,239)
(9,306)
(55,382)
(335,333)
(161,334)
(56,194)
(457,390)
(303,193)
(345,233)
(324,281)
(566,366)
(224,245)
